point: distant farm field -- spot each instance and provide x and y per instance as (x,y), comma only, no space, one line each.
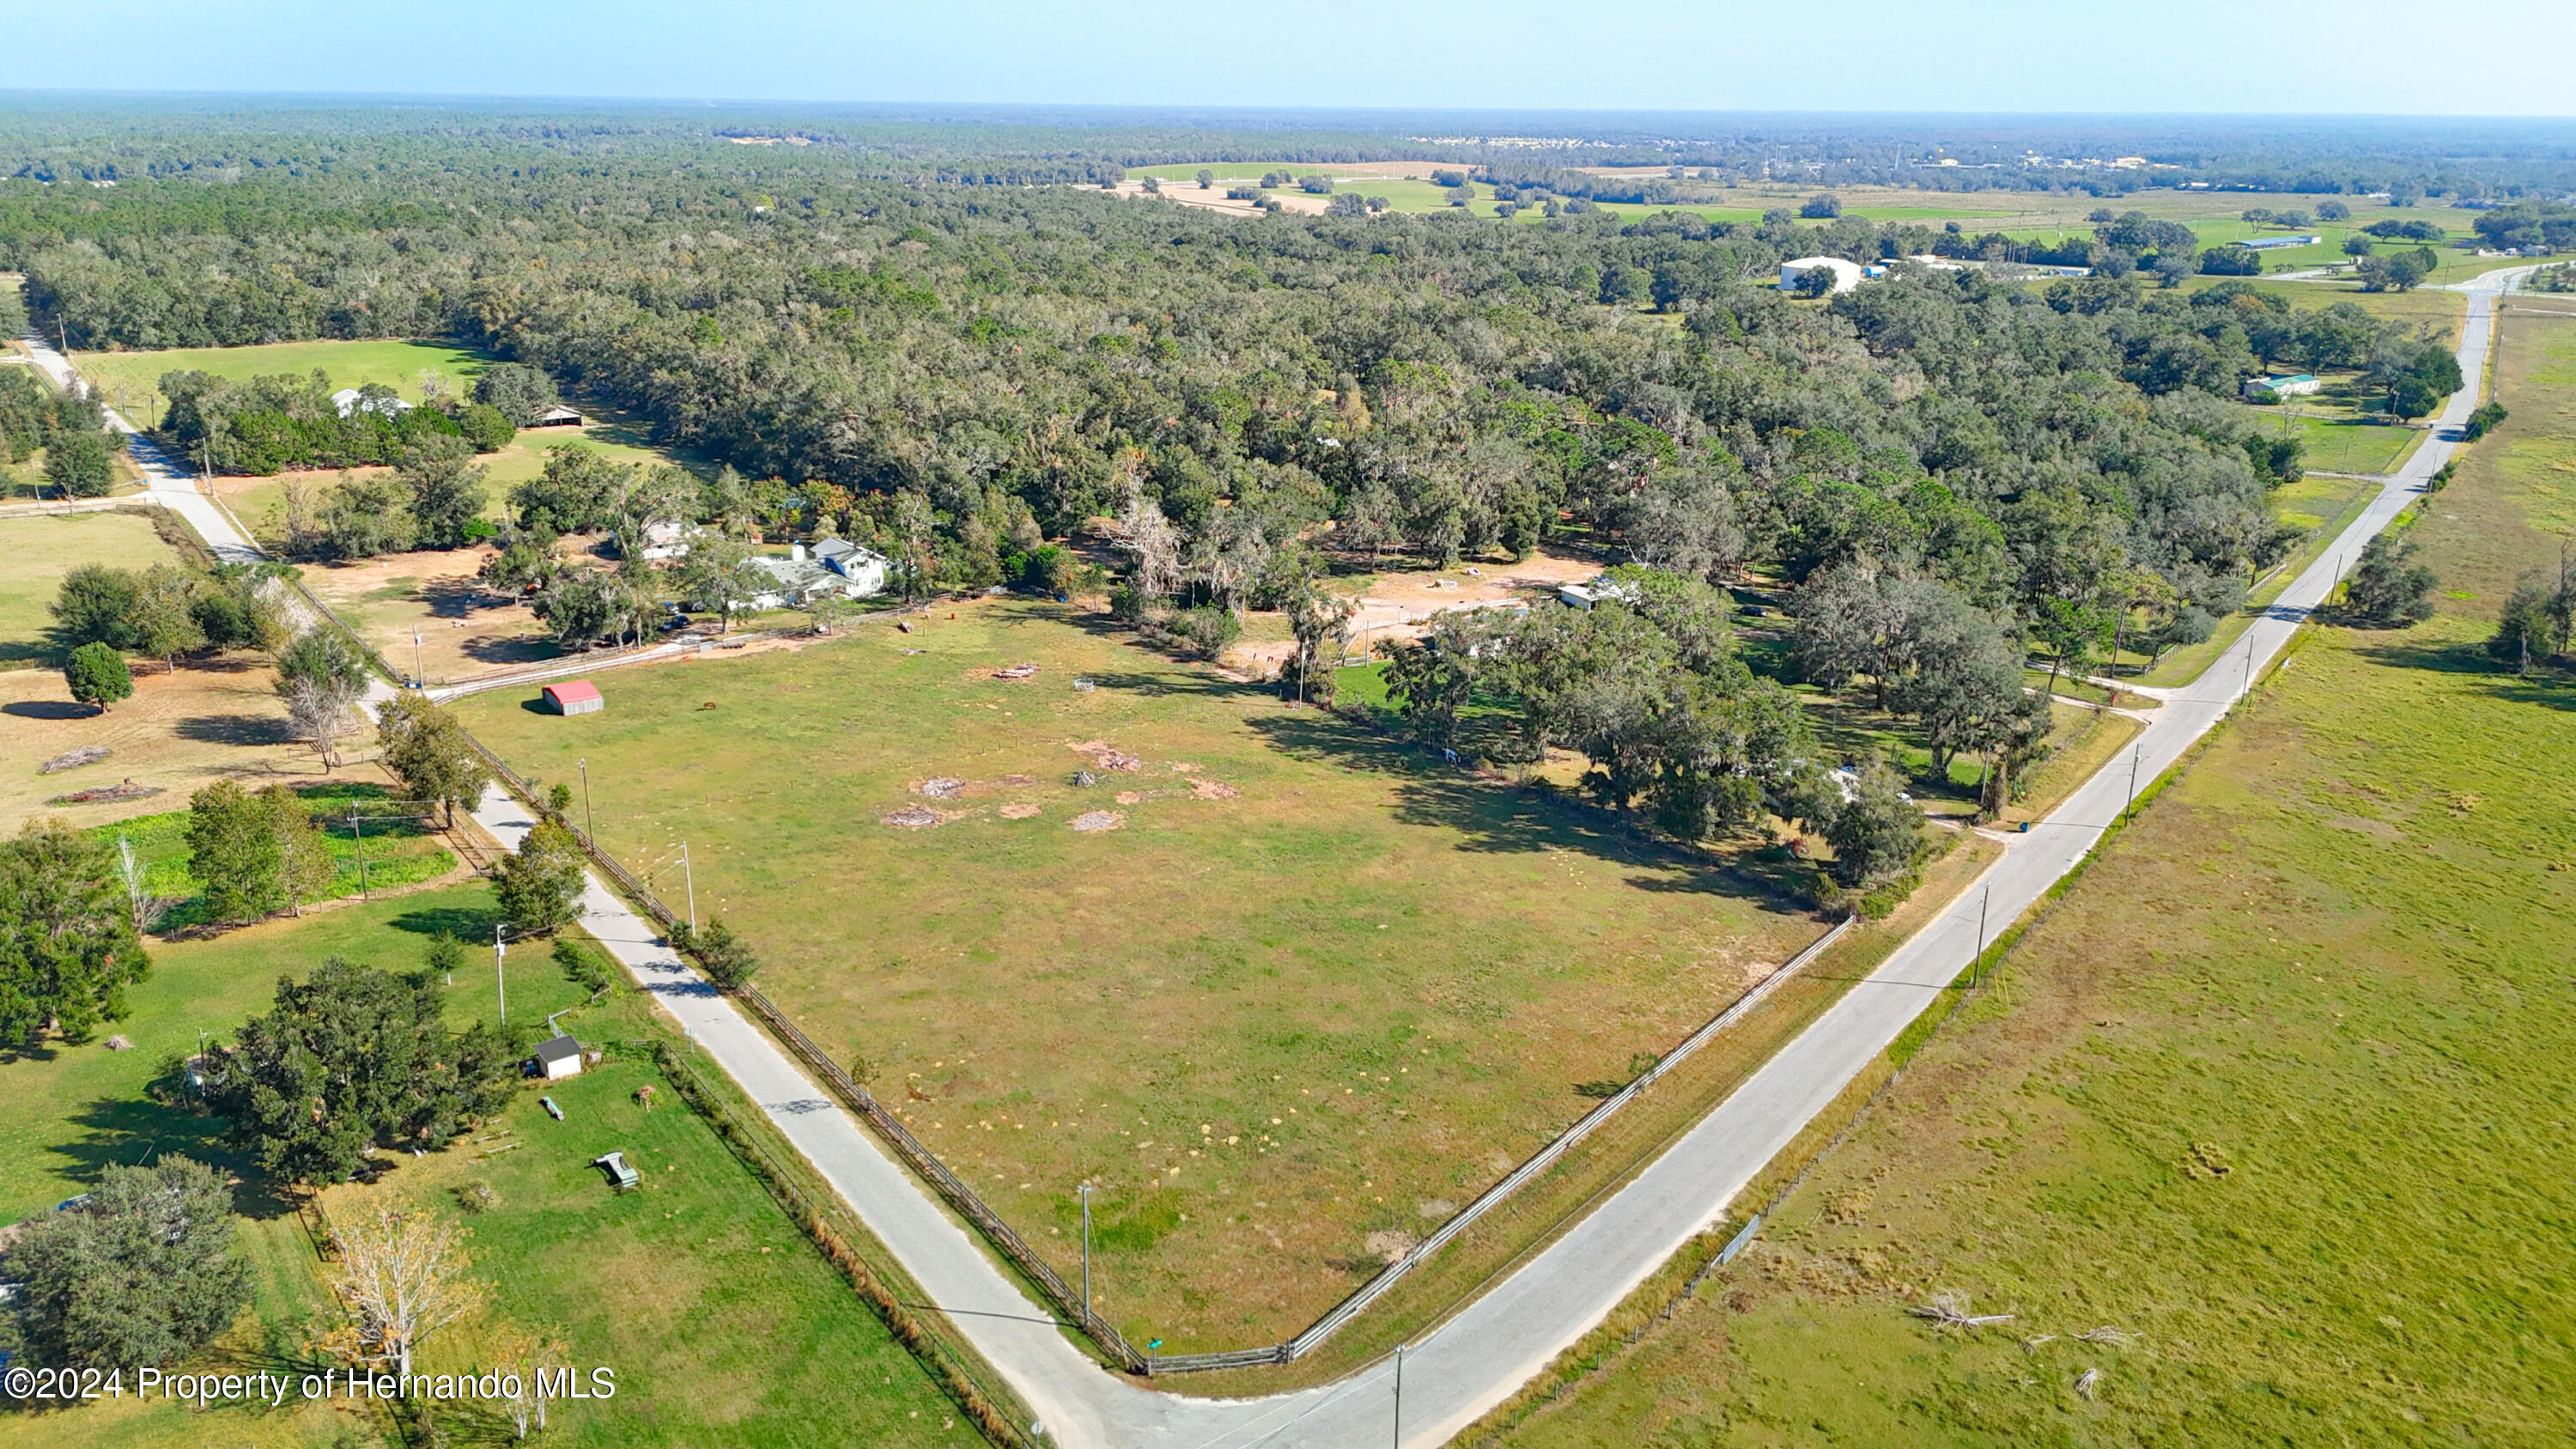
(131,380)
(1287,992)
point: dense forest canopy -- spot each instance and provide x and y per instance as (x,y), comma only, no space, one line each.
(958,371)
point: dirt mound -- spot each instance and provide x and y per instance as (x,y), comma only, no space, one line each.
(1388,1245)
(941,787)
(1017,671)
(106,794)
(1213,790)
(914,817)
(74,759)
(1019,779)
(1018,810)
(1093,821)
(1106,756)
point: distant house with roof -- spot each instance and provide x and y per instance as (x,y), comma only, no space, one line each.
(558,416)
(349,400)
(836,567)
(2275,388)
(2276,243)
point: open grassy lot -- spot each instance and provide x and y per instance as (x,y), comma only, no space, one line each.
(2338,443)
(376,844)
(35,553)
(1309,994)
(131,380)
(213,720)
(720,1322)
(437,596)
(2274,1089)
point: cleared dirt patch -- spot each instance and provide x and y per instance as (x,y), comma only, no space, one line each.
(1091,822)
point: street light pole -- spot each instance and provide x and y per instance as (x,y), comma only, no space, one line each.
(1977,961)
(1085,1193)
(500,981)
(1399,1396)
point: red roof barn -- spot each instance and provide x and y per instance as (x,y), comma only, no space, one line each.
(578,696)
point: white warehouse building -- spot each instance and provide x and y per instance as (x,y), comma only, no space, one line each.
(1847,275)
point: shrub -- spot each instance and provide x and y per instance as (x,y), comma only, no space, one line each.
(1207,629)
(98,675)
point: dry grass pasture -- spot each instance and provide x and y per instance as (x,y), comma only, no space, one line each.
(2275,1090)
(1287,992)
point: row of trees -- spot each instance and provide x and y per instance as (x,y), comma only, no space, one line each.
(270,424)
(80,454)
(1651,687)
(169,610)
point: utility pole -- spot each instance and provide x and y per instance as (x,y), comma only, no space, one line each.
(419,672)
(358,833)
(2249,665)
(500,980)
(1976,962)
(1084,1191)
(691,877)
(589,823)
(2130,810)
(1399,1396)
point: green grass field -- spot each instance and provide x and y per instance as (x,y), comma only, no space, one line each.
(384,849)
(36,552)
(1409,967)
(131,380)
(2343,444)
(2274,1089)
(719,1320)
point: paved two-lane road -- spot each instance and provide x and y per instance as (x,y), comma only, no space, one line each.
(166,481)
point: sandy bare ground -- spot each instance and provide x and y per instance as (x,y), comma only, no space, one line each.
(1401,606)
(464,629)
(212,720)
(1187,193)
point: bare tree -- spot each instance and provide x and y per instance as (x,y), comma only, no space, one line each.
(526,1362)
(320,710)
(400,1278)
(1153,545)
(130,870)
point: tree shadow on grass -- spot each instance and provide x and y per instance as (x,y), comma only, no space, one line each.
(28,651)
(1500,818)
(466,923)
(2550,689)
(50,709)
(235,729)
(133,1131)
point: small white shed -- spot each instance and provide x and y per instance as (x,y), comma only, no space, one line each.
(559,1057)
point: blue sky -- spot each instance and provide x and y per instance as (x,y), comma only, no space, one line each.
(2509,57)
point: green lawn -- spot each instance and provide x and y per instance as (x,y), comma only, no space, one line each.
(131,380)
(1408,966)
(383,848)
(720,1321)
(2275,1088)
(36,552)
(2344,444)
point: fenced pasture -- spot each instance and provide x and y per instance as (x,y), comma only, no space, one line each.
(1286,991)
(130,381)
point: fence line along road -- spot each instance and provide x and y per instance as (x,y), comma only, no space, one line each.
(1511,1182)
